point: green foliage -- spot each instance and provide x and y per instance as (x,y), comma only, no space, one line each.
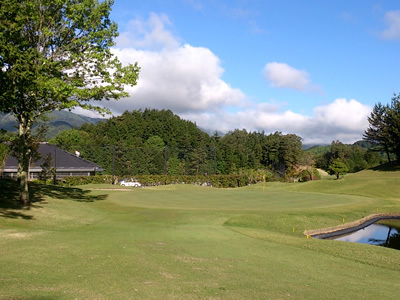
(337,167)
(188,242)
(174,166)
(220,181)
(384,127)
(61,51)
(56,55)
(4,148)
(159,142)
(308,175)
(155,142)
(354,156)
(48,170)
(68,140)
(316,150)
(238,150)
(82,180)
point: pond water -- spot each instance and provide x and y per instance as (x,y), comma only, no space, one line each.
(384,233)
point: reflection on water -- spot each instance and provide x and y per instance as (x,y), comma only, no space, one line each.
(386,234)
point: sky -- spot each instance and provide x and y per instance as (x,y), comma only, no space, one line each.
(313,68)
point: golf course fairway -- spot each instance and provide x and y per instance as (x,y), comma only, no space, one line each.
(191,242)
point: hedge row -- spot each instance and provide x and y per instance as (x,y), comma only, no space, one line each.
(82,180)
(222,181)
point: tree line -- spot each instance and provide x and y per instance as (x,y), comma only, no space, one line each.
(355,157)
(160,142)
(57,55)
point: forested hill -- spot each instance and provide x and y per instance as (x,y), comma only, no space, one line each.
(159,142)
(58,121)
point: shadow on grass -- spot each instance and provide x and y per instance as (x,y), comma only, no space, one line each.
(39,191)
(10,207)
(395,166)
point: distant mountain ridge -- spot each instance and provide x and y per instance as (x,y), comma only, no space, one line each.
(64,120)
(59,121)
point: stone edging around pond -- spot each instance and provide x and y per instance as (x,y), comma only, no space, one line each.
(349,227)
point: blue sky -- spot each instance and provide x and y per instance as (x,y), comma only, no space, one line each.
(313,68)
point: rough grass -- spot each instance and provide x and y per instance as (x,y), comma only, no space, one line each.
(188,242)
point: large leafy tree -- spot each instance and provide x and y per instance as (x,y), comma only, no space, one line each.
(55,54)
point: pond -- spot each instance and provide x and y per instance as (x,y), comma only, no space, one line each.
(384,233)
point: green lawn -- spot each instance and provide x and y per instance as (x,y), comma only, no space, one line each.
(189,242)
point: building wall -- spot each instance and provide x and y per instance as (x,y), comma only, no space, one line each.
(59,175)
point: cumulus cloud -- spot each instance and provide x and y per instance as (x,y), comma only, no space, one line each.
(343,114)
(148,34)
(343,120)
(182,79)
(173,76)
(282,75)
(188,80)
(392,19)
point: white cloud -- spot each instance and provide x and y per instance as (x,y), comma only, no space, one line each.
(392,19)
(343,120)
(188,80)
(282,75)
(359,235)
(182,78)
(343,114)
(149,34)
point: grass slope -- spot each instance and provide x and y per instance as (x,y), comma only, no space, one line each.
(188,242)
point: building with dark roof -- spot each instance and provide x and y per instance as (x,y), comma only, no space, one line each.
(65,164)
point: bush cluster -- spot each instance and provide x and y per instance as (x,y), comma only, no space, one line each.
(220,181)
(82,180)
(304,175)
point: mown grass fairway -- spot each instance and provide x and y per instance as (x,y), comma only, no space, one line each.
(188,242)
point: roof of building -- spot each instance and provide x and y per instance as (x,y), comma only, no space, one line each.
(64,161)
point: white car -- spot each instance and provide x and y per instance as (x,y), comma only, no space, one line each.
(127,182)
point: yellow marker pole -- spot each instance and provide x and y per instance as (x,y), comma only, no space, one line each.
(308,237)
(293,229)
(343,220)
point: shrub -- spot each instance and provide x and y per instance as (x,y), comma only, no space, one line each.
(221,181)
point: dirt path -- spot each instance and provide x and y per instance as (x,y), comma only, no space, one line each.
(322,173)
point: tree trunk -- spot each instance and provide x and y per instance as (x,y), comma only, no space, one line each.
(310,174)
(24,157)
(388,154)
